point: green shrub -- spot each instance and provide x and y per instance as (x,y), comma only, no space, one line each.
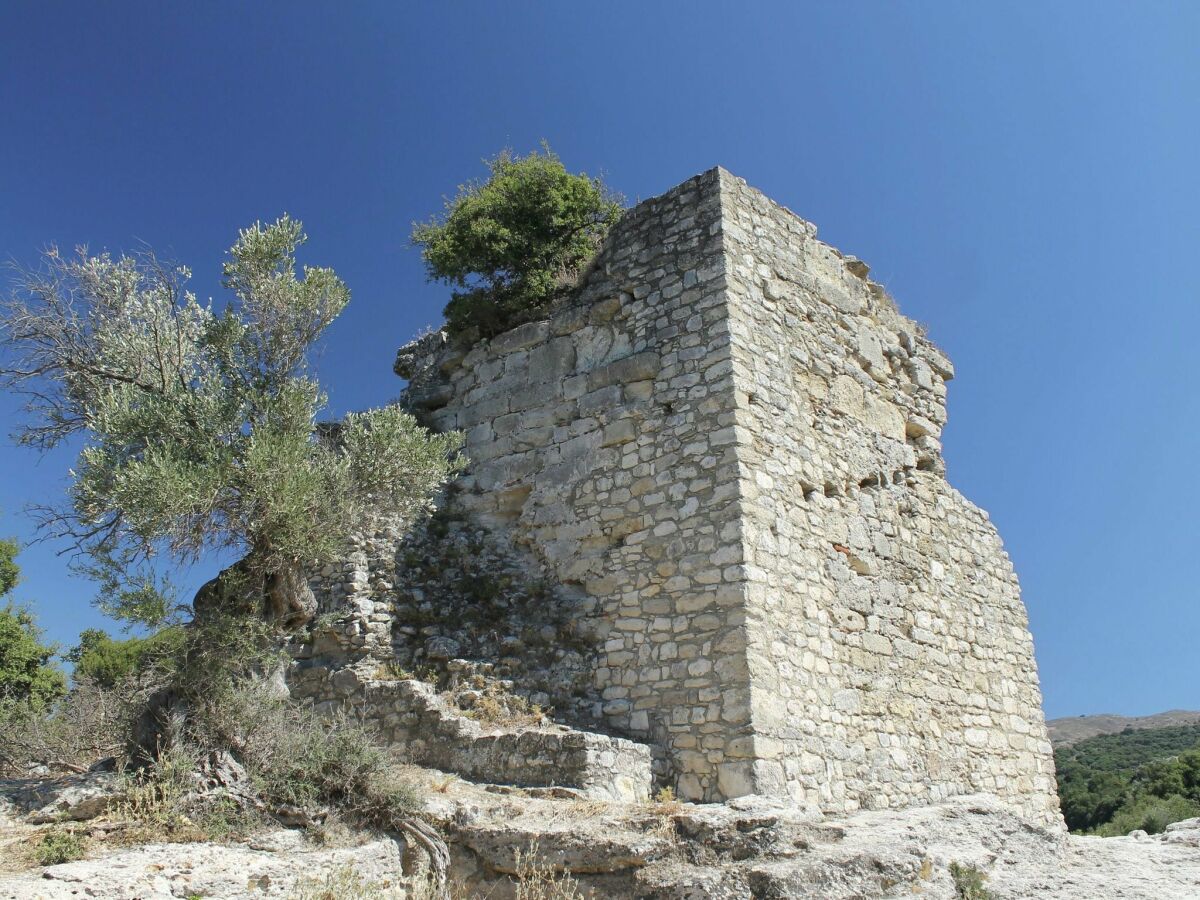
(27,675)
(514,241)
(317,760)
(1149,813)
(1115,783)
(215,694)
(10,572)
(295,756)
(58,846)
(28,678)
(108,661)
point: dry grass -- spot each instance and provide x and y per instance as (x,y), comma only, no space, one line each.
(334,831)
(89,723)
(589,809)
(666,803)
(16,845)
(393,671)
(496,706)
(538,880)
(345,884)
(159,806)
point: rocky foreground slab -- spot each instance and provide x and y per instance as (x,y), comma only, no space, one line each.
(747,848)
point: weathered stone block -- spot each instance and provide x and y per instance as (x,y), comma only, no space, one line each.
(519,338)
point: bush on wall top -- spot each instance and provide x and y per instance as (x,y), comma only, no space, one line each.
(512,243)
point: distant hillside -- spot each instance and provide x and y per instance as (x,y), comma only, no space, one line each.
(1073,729)
(1146,778)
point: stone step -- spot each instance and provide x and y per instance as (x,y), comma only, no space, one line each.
(435,734)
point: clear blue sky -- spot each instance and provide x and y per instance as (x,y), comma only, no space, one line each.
(1022,176)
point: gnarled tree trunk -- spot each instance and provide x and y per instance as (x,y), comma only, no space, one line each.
(280,597)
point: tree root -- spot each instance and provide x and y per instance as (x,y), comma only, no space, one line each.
(426,837)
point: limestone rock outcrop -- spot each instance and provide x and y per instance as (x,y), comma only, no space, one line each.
(279,865)
(750,847)
(68,798)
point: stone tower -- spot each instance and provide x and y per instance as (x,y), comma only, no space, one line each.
(729,440)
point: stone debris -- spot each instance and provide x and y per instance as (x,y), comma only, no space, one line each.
(452,591)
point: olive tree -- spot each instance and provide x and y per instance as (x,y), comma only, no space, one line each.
(199,425)
(513,242)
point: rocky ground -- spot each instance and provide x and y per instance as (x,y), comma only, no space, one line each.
(748,848)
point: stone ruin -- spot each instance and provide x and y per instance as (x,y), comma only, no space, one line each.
(706,518)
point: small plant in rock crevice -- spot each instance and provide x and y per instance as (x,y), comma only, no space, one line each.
(665,802)
(391,670)
(969,882)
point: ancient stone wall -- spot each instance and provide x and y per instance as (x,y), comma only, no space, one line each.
(889,653)
(723,451)
(601,441)
(353,660)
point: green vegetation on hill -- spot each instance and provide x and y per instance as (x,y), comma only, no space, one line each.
(1141,778)
(1130,748)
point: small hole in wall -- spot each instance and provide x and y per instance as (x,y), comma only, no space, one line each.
(869,482)
(668,408)
(752,399)
(807,489)
(831,489)
(925,464)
